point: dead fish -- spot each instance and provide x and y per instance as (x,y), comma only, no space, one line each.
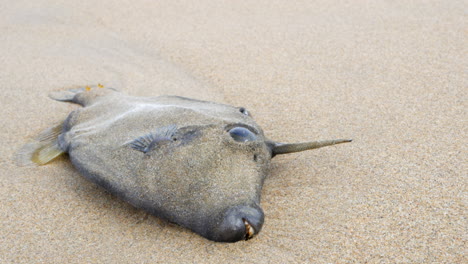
(198,164)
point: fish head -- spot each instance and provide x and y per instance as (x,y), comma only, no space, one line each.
(206,173)
(209,179)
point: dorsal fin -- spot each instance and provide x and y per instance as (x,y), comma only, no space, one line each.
(150,141)
(67,95)
(83,94)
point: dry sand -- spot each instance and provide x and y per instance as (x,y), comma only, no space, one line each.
(392,75)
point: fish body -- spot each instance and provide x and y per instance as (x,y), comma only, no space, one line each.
(195,163)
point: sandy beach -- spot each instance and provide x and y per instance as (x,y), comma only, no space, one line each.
(391,75)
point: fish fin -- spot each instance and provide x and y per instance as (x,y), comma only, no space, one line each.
(43,149)
(149,141)
(46,153)
(67,95)
(82,94)
(50,134)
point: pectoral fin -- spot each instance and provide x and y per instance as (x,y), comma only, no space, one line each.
(150,141)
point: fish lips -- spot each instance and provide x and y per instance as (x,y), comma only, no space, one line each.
(237,223)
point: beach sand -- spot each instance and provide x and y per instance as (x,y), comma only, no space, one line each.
(392,75)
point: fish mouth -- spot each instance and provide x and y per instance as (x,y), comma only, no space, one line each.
(249,230)
(238,223)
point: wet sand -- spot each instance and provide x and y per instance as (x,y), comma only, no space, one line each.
(389,74)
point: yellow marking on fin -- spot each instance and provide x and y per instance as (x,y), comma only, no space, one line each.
(88,88)
(100,85)
(46,153)
(43,149)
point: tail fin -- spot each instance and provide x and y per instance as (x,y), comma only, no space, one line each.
(42,149)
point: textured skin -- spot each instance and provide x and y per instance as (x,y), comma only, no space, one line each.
(191,181)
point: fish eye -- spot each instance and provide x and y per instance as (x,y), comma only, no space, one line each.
(242,134)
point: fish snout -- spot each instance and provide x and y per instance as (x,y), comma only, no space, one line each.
(239,223)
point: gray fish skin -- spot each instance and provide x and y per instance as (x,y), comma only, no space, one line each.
(202,177)
(195,163)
